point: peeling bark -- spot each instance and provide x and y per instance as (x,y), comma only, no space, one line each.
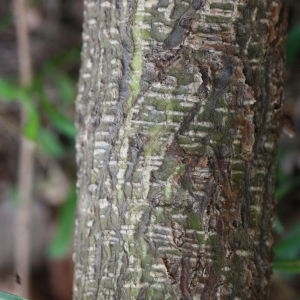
(178,115)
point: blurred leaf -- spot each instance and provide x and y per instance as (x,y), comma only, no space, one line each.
(62,123)
(290,266)
(50,144)
(289,247)
(11,92)
(13,195)
(286,186)
(293,45)
(31,126)
(65,85)
(60,245)
(278,226)
(66,88)
(7,296)
(285,182)
(5,22)
(68,57)
(35,2)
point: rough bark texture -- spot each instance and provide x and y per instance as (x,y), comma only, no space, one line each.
(178,114)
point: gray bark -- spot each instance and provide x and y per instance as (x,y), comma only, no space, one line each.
(178,116)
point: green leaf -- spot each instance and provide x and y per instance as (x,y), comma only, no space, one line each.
(290,266)
(11,92)
(278,226)
(281,177)
(7,296)
(69,57)
(50,144)
(5,22)
(31,126)
(287,186)
(66,87)
(60,245)
(62,123)
(289,247)
(293,45)
(65,126)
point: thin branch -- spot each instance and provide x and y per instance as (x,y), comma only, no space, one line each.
(26,159)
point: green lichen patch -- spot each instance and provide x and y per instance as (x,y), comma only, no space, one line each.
(183,77)
(193,221)
(217,19)
(223,6)
(179,9)
(218,260)
(254,51)
(153,144)
(168,105)
(169,168)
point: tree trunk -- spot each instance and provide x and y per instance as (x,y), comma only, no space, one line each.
(178,117)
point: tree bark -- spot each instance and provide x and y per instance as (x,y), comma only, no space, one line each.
(178,115)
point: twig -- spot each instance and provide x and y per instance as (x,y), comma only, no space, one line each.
(26,159)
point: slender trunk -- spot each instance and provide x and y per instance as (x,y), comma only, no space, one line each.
(177,113)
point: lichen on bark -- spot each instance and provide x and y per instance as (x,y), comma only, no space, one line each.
(177,113)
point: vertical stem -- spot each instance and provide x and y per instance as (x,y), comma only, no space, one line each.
(25,69)
(26,159)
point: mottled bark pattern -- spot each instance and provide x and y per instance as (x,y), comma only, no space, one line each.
(178,113)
